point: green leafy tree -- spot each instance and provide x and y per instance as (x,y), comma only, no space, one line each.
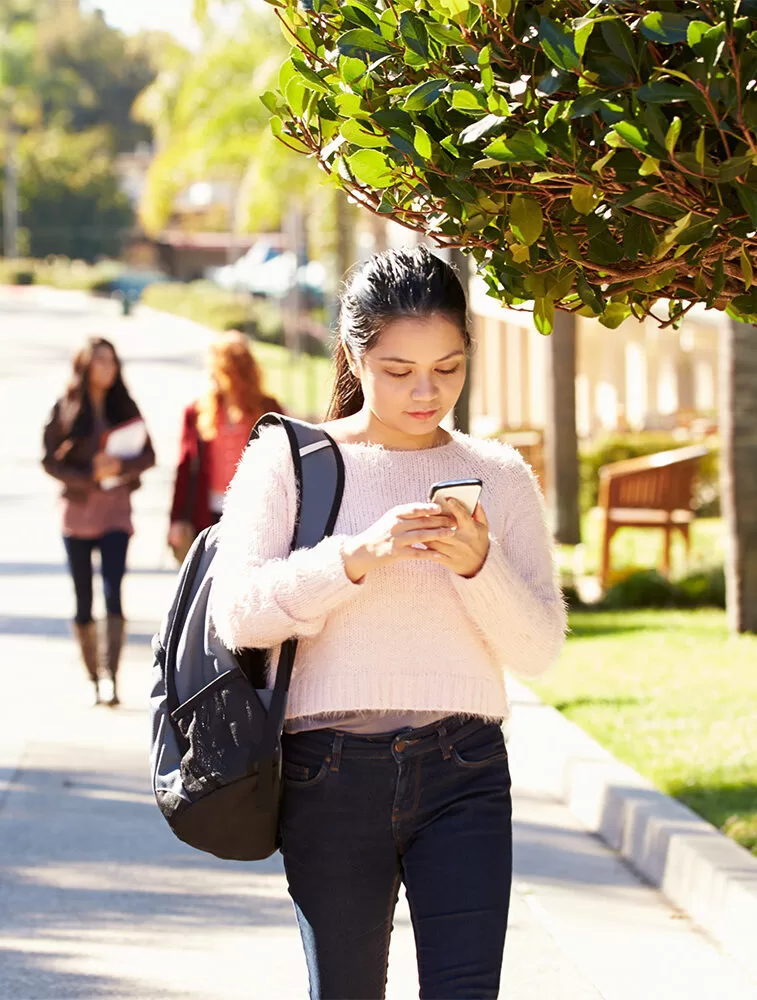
(70,201)
(85,74)
(14,11)
(90,74)
(67,83)
(591,160)
(598,159)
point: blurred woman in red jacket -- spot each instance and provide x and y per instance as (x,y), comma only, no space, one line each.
(215,432)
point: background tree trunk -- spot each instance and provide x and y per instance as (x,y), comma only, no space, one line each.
(560,440)
(345,223)
(461,263)
(738,471)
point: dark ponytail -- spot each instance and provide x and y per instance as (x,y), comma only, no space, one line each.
(390,286)
(347,394)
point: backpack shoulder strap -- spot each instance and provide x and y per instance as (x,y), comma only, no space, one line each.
(319,473)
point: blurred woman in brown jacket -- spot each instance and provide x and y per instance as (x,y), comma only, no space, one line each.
(96,496)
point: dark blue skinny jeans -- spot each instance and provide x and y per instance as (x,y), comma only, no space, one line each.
(428,807)
(112,546)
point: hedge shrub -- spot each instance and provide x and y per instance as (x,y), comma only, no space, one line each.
(58,272)
(648,589)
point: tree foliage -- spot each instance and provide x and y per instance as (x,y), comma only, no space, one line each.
(71,204)
(18,99)
(67,84)
(90,75)
(80,72)
(594,157)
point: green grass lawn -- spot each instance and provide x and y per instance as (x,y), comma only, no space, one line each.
(673,695)
(641,548)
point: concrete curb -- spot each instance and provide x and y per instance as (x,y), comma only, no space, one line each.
(700,870)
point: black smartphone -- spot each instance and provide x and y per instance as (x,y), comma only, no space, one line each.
(467,491)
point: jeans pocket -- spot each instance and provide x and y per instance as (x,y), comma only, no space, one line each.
(484,746)
(304,766)
(298,776)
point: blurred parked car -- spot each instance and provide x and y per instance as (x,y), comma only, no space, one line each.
(267,271)
(242,275)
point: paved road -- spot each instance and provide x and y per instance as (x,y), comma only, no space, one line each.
(97,899)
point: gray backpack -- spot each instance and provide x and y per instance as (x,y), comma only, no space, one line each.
(216,729)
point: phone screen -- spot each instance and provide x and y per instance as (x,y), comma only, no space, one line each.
(467,491)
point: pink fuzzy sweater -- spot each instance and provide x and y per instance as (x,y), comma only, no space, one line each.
(412,636)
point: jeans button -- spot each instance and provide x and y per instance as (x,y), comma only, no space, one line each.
(400,745)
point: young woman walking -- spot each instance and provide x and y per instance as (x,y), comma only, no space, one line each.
(214,434)
(395,765)
(96,498)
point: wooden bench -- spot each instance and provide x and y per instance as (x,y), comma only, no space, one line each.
(654,491)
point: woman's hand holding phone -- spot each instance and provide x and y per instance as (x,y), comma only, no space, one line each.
(394,537)
(464,551)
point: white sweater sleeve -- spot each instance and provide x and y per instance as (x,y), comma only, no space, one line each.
(514,599)
(262,594)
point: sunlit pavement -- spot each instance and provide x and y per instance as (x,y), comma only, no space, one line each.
(97,898)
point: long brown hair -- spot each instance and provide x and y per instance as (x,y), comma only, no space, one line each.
(230,357)
(389,286)
(78,410)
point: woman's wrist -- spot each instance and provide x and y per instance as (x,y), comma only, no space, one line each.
(472,574)
(469,575)
(356,559)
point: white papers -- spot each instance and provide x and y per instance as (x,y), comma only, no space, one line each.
(124,441)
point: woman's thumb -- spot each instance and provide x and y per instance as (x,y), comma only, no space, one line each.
(478,514)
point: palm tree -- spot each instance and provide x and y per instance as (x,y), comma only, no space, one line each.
(209,122)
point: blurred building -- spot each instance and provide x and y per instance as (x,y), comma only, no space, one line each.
(638,377)
(197,236)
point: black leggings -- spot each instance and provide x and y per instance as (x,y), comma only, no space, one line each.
(112,548)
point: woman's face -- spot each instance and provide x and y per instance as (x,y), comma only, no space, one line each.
(414,374)
(102,369)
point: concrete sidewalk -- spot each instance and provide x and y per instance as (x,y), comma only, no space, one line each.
(97,898)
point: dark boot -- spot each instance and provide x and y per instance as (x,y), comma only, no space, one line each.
(86,636)
(114,639)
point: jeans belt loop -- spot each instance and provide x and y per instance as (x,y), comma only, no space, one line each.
(444,744)
(336,751)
